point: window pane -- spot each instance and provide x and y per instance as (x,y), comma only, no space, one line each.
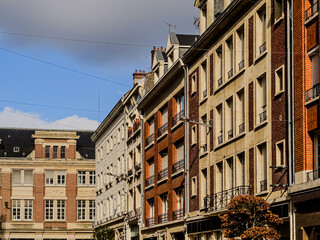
(49,177)
(16,177)
(28,177)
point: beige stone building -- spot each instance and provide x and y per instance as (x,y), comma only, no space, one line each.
(47,184)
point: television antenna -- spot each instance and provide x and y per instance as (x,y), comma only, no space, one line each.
(170,26)
(196,23)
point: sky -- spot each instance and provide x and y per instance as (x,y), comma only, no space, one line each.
(65,64)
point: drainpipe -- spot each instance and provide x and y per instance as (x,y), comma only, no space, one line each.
(125,164)
(142,175)
(186,136)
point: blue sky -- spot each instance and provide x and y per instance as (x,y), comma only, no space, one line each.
(133,26)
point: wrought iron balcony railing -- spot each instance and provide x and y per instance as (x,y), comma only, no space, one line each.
(178,166)
(230,73)
(313,175)
(311,11)
(241,65)
(177,117)
(162,218)
(163,129)
(263,48)
(137,167)
(220,200)
(263,185)
(230,134)
(241,128)
(178,214)
(220,139)
(149,181)
(150,139)
(150,221)
(204,93)
(312,93)
(163,174)
(219,82)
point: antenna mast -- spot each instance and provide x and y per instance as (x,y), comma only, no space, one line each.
(170,26)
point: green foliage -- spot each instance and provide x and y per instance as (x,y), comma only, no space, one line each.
(249,217)
(103,233)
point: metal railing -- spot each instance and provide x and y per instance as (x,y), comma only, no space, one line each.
(163,129)
(163,174)
(178,214)
(241,128)
(220,200)
(149,181)
(241,65)
(162,218)
(230,73)
(313,175)
(220,139)
(204,93)
(263,48)
(311,11)
(130,172)
(177,117)
(137,167)
(150,221)
(130,131)
(219,82)
(263,185)
(312,93)
(150,139)
(230,134)
(136,125)
(178,166)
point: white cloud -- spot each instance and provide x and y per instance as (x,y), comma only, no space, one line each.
(10,117)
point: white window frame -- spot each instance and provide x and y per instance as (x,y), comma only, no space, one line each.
(81,210)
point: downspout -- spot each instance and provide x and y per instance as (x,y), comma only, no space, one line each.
(125,170)
(142,175)
(186,136)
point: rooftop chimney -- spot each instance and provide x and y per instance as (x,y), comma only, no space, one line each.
(137,76)
(152,55)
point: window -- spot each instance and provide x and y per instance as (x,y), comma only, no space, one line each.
(164,121)
(163,173)
(203,18)
(315,68)
(193,84)
(28,210)
(61,209)
(219,66)
(164,207)
(81,177)
(49,177)
(229,58)
(16,149)
(194,186)
(63,152)
(204,135)
(119,135)
(28,177)
(47,151)
(203,186)
(150,138)
(203,79)
(92,178)
(240,112)
(22,177)
(194,135)
(229,118)
(280,153)
(220,179)
(261,100)
(81,209)
(262,167)
(261,31)
(16,212)
(49,209)
(241,170)
(178,162)
(151,208)
(92,209)
(180,201)
(180,104)
(55,151)
(278,10)
(279,80)
(151,167)
(230,173)
(61,177)
(219,124)
(240,49)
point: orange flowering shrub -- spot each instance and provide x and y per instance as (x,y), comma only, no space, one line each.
(249,217)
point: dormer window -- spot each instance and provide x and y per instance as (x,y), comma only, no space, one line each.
(203,18)
(16,149)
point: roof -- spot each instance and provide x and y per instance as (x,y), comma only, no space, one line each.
(186,39)
(11,138)
(161,55)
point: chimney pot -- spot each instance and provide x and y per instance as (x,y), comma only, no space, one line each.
(157,48)
(161,48)
(154,47)
(144,71)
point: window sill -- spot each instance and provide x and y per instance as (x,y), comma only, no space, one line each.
(149,146)
(177,125)
(259,58)
(163,135)
(149,187)
(177,173)
(230,140)
(162,181)
(20,221)
(193,196)
(204,154)
(55,185)
(312,101)
(276,22)
(260,125)
(84,221)
(262,193)
(278,93)
(311,19)
(229,80)
(203,100)
(55,221)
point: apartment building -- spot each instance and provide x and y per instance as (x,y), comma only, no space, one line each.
(163,143)
(305,192)
(111,186)
(237,101)
(47,184)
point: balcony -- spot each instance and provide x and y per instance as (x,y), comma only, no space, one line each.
(263,185)
(230,134)
(219,82)
(163,218)
(263,48)
(133,214)
(241,128)
(136,125)
(204,93)
(130,172)
(130,132)
(230,73)
(177,214)
(311,11)
(162,129)
(241,65)
(149,221)
(311,176)
(177,117)
(312,93)
(149,181)
(178,166)
(220,139)
(263,114)
(163,174)
(150,139)
(219,201)
(137,167)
